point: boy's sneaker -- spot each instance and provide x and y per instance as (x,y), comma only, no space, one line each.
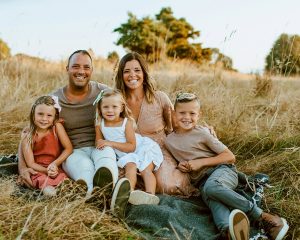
(103,178)
(120,197)
(49,191)
(239,225)
(275,226)
(138,197)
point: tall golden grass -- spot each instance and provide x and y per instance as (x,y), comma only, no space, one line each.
(256,116)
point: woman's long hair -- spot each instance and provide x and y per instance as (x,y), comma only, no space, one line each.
(148,84)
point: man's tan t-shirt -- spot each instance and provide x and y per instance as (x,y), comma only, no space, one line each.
(79,116)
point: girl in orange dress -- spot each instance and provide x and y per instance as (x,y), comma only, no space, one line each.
(46,145)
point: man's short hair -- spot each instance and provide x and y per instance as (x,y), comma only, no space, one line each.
(84,52)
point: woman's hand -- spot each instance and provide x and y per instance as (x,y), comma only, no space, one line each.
(211,130)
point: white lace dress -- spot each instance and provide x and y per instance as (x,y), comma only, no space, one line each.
(146,150)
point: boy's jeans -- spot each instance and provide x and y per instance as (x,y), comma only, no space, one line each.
(219,195)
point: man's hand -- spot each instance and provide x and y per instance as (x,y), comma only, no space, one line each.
(24,177)
(103,143)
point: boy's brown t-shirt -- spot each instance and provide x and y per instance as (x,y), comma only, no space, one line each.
(195,144)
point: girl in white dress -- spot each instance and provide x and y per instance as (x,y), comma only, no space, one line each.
(116,128)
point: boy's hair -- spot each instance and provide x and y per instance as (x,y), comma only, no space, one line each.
(47,100)
(148,84)
(186,97)
(126,113)
(84,52)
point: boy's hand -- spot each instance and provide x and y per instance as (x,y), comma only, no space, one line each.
(103,143)
(184,167)
(195,165)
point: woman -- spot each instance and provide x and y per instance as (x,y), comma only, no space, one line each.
(152,112)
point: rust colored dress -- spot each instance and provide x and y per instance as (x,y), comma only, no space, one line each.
(152,122)
(45,151)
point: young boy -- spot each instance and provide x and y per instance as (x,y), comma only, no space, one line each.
(210,165)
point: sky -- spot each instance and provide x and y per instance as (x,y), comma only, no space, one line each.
(244,30)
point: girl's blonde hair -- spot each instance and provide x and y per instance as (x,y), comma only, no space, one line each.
(148,84)
(126,113)
(47,100)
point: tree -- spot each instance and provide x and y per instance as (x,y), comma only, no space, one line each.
(113,57)
(4,50)
(143,36)
(284,56)
(163,35)
(221,59)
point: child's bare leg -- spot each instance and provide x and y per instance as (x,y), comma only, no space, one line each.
(149,179)
(130,174)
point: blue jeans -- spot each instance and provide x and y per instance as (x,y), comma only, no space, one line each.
(218,194)
(84,162)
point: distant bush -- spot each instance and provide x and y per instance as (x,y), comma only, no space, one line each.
(284,57)
(4,50)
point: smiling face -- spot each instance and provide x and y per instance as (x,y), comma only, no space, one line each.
(133,75)
(111,108)
(79,70)
(44,116)
(187,115)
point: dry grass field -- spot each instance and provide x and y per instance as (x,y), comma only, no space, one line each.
(257,117)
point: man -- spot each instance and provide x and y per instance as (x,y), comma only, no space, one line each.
(95,167)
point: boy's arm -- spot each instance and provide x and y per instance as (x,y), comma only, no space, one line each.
(167,112)
(225,157)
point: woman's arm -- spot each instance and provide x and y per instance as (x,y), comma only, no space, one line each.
(167,112)
(65,142)
(29,158)
(128,146)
